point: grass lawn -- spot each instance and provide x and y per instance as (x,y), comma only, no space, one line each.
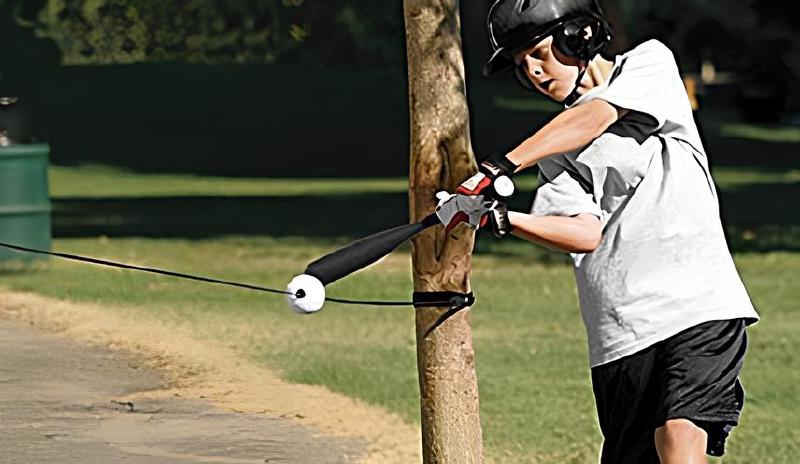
(535,394)
(536,401)
(111,182)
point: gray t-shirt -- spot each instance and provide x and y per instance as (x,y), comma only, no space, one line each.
(663,265)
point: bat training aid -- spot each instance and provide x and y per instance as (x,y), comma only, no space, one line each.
(365,251)
(421,299)
(306,292)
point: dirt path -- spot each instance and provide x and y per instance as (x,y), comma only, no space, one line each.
(59,404)
(71,402)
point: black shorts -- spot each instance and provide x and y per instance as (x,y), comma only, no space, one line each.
(692,375)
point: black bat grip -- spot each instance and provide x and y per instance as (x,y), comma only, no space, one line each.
(365,251)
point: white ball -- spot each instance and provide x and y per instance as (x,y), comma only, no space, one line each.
(311,298)
(504,186)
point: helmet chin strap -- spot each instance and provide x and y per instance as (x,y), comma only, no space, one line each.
(574,95)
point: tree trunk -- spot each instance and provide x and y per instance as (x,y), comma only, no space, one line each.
(441,157)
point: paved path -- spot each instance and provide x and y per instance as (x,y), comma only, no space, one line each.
(57,405)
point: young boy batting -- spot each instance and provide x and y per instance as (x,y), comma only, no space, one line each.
(625,188)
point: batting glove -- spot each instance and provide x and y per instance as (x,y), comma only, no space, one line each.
(473,210)
(493,177)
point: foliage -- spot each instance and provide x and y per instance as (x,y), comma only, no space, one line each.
(127,31)
(352,33)
(346,32)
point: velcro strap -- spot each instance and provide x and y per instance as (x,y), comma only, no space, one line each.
(453,300)
(498,166)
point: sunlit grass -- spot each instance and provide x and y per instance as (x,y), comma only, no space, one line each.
(732,178)
(111,182)
(762,133)
(95,181)
(536,399)
(99,181)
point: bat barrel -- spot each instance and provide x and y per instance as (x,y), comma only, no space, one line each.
(365,251)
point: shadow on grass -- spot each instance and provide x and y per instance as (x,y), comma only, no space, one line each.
(201,217)
(757,217)
(9,271)
(762,217)
(742,152)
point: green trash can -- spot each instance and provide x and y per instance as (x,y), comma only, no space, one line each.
(24,199)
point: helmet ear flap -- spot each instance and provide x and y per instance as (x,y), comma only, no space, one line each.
(572,40)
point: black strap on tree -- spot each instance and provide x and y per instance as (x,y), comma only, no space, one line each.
(441,299)
(454,301)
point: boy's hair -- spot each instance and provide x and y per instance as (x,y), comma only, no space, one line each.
(514,25)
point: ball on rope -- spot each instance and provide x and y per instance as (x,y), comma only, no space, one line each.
(306,294)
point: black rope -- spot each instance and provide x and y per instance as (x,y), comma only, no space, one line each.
(153,270)
(369,302)
(103,262)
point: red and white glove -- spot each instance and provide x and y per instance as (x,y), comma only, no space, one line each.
(493,178)
(474,211)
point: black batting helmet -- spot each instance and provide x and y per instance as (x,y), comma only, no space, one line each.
(514,25)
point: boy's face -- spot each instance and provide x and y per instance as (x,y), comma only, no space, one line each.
(551,72)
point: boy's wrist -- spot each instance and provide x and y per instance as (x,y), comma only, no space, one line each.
(520,156)
(498,166)
(499,220)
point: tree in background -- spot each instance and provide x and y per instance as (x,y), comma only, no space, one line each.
(694,27)
(126,31)
(360,34)
(345,33)
(757,40)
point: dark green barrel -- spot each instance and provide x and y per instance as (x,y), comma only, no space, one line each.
(24,199)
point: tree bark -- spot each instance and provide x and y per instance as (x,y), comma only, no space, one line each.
(441,158)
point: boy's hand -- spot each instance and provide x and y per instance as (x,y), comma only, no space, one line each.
(473,210)
(498,218)
(494,175)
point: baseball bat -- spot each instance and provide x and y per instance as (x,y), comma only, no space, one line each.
(365,251)
(306,292)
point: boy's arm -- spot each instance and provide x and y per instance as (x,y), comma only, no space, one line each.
(574,234)
(572,129)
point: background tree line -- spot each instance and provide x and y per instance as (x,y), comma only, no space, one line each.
(252,78)
(359,33)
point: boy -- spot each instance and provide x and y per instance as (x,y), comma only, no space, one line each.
(625,188)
